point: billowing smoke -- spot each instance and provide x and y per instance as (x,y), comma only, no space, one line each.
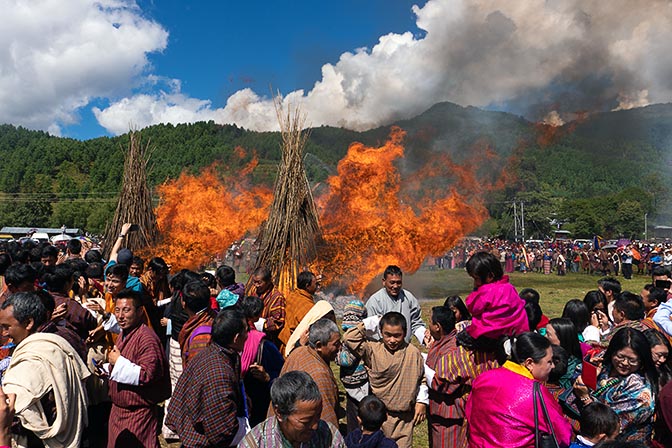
(531,57)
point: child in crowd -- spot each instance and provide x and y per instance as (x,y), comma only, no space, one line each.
(352,371)
(396,373)
(371,415)
(598,423)
(495,307)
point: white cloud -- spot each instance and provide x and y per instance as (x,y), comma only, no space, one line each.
(528,56)
(531,56)
(56,56)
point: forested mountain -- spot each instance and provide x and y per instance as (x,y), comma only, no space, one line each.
(598,175)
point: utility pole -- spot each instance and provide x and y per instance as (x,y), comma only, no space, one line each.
(522,220)
(646,228)
(518,221)
(515,222)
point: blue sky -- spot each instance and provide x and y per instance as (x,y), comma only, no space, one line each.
(219,47)
(86,68)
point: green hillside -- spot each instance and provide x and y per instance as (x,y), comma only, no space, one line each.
(599,175)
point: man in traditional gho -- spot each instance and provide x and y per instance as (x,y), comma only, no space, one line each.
(324,342)
(274,304)
(392,297)
(196,333)
(396,373)
(208,406)
(139,378)
(455,372)
(447,426)
(297,405)
(299,302)
(46,374)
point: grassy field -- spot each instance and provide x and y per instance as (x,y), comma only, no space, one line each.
(434,286)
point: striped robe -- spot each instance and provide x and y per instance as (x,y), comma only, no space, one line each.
(134,418)
(455,370)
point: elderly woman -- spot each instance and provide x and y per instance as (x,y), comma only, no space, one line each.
(297,405)
(500,409)
(626,383)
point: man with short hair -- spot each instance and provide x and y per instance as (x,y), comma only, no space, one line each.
(19,277)
(274,303)
(45,373)
(138,377)
(49,255)
(207,408)
(392,297)
(137,267)
(297,404)
(324,342)
(662,278)
(196,331)
(230,291)
(396,372)
(628,312)
(73,249)
(447,426)
(299,302)
(611,288)
(123,256)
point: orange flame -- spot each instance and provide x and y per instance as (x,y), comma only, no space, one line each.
(200,216)
(371,218)
(371,215)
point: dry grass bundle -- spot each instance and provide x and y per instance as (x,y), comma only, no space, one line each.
(135,200)
(289,238)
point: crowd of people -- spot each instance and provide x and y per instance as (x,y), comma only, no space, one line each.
(623,257)
(119,352)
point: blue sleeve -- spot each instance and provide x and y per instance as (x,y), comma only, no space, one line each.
(271,359)
(662,317)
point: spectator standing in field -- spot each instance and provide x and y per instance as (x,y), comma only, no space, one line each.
(45,373)
(299,302)
(139,378)
(274,304)
(297,405)
(392,297)
(324,342)
(396,373)
(208,406)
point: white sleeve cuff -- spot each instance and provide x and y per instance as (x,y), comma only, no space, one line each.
(125,372)
(371,326)
(111,325)
(371,323)
(420,334)
(423,395)
(429,375)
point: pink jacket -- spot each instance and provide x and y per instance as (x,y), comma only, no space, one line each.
(500,411)
(496,310)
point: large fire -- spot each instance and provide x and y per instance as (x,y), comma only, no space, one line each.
(371,214)
(372,218)
(200,216)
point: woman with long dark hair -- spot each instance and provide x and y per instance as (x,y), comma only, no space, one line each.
(500,409)
(459,309)
(600,323)
(577,311)
(561,331)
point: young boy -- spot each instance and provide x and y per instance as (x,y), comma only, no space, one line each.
(396,373)
(371,415)
(598,423)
